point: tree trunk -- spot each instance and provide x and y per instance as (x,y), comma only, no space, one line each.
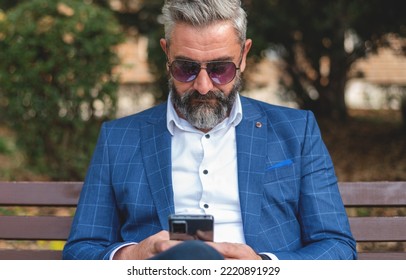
(331,100)
(403,111)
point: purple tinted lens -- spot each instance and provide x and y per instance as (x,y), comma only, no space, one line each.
(221,72)
(185,71)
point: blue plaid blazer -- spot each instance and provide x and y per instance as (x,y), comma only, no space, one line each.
(290,202)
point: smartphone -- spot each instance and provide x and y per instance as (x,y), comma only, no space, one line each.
(189,227)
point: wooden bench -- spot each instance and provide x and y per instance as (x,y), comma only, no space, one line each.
(65,194)
(37,194)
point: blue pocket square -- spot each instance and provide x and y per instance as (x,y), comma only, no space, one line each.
(280,164)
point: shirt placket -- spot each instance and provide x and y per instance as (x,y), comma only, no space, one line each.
(206,174)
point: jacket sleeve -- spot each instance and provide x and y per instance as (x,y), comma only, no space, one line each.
(95,228)
(325,230)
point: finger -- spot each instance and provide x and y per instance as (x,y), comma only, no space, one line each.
(163,234)
(204,235)
(164,245)
(234,250)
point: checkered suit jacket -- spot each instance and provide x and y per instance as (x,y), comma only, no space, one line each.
(290,202)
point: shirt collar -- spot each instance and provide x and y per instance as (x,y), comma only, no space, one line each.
(173,120)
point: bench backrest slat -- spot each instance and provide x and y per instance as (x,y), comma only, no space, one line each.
(39,193)
(370,194)
(375,229)
(30,255)
(35,228)
(382,256)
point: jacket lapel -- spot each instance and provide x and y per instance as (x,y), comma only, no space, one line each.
(156,150)
(251,157)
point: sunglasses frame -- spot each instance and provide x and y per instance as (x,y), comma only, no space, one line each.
(207,65)
(237,68)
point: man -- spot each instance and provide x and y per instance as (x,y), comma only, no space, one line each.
(262,171)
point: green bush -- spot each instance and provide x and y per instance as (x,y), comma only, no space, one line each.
(4,149)
(56,81)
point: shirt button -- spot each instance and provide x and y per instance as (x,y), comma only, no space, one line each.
(205,172)
(206,205)
(207,136)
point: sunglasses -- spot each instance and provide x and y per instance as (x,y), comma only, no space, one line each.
(220,72)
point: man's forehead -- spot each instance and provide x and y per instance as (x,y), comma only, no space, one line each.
(218,39)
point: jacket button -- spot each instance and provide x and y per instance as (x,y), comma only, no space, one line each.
(258,124)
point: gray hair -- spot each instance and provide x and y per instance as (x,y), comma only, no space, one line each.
(201,13)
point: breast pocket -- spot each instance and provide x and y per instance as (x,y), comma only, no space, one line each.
(282,186)
(280,171)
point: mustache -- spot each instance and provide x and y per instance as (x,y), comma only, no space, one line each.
(195,95)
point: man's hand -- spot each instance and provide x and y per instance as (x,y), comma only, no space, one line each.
(160,242)
(235,251)
(147,248)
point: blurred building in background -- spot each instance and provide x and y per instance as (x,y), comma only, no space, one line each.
(379,80)
(136,82)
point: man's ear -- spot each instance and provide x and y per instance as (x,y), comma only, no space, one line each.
(164,46)
(247,47)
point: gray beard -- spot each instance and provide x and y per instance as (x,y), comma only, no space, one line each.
(204,115)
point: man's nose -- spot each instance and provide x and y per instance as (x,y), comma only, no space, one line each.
(203,84)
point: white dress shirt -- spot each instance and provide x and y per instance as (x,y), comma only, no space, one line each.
(205,174)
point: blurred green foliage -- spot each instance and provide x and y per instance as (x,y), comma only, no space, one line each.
(4,148)
(56,81)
